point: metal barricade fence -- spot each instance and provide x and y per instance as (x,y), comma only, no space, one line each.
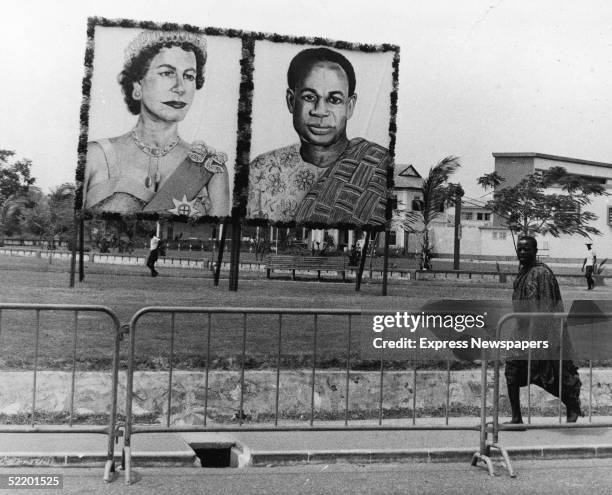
(282,313)
(111,430)
(494,426)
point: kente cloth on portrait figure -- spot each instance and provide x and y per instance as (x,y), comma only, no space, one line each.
(351,191)
(536,290)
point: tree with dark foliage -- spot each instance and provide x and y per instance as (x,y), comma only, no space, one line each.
(547,202)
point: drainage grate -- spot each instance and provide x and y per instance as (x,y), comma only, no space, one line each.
(213,457)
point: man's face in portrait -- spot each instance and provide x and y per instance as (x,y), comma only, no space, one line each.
(526,252)
(168,87)
(321,105)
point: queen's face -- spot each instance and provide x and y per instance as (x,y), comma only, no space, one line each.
(167,89)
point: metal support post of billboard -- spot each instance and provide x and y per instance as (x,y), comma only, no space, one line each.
(364,253)
(224,227)
(385,263)
(81,248)
(235,254)
(73,249)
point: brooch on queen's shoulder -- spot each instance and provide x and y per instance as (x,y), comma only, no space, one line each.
(213,161)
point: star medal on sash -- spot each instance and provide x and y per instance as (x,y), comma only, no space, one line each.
(184,207)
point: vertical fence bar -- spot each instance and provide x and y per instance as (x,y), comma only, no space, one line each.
(380,395)
(560,366)
(171,369)
(314,369)
(590,391)
(35,365)
(528,378)
(112,423)
(278,366)
(348,372)
(127,439)
(207,371)
(448,378)
(414,392)
(244,331)
(74,350)
(483,404)
(496,378)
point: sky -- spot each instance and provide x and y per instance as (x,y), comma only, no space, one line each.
(475,77)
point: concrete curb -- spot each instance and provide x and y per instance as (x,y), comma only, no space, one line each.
(92,459)
(243,456)
(436,455)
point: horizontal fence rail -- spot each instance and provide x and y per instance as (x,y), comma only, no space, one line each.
(40,311)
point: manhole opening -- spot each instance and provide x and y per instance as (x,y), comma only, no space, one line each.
(214,457)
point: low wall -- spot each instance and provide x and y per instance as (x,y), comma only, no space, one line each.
(92,395)
(496,277)
(392,273)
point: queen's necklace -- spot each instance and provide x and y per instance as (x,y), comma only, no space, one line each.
(153,179)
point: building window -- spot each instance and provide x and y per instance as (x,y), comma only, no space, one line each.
(392,238)
(609,215)
(394,202)
(500,235)
(468,215)
(483,216)
(575,210)
(417,204)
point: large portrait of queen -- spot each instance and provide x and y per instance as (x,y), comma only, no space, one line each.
(162,122)
(320,134)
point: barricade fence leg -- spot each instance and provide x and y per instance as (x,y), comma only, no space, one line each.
(483,453)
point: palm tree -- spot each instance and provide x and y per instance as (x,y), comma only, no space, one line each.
(435,192)
(12,207)
(51,215)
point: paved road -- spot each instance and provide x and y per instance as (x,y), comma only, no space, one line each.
(573,477)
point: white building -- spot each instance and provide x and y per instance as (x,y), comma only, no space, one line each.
(406,197)
(490,239)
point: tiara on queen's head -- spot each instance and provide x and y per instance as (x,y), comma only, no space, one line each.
(147,39)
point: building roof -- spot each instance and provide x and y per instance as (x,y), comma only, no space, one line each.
(407,178)
(552,157)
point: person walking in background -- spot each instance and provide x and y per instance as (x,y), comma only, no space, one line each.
(588,265)
(153,254)
(536,290)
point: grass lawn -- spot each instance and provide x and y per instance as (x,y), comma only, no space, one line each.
(127,289)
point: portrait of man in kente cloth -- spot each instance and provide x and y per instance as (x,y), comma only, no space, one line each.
(327,177)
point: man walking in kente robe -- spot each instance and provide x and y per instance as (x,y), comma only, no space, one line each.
(536,290)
